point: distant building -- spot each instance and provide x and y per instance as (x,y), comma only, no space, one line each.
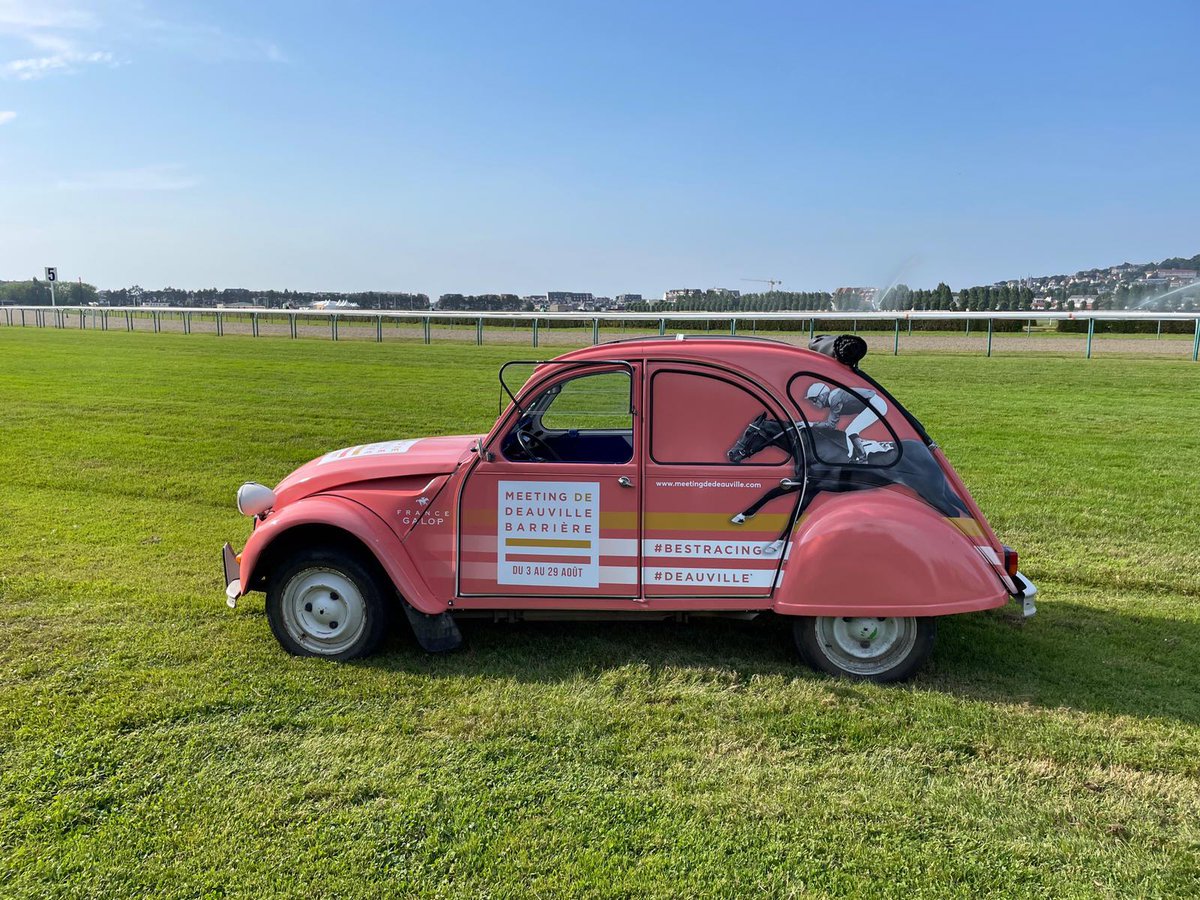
(628,298)
(725,292)
(567,299)
(678,294)
(1182,276)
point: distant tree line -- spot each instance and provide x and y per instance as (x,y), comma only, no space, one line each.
(73,293)
(37,293)
(483,303)
(719,301)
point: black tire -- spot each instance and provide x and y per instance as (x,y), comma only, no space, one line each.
(308,592)
(823,642)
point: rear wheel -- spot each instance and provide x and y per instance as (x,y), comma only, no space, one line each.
(326,602)
(867,648)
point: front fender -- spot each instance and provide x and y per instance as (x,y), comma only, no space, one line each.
(884,552)
(372,532)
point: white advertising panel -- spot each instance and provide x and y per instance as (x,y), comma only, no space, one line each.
(548,533)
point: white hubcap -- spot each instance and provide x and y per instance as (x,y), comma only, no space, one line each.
(323,610)
(866,645)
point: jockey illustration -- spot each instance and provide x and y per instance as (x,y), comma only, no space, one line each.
(844,404)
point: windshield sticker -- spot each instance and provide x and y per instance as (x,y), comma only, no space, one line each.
(383,448)
(549,533)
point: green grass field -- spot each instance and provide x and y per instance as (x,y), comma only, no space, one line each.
(153,742)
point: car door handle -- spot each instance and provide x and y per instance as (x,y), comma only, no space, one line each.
(625,481)
(789,483)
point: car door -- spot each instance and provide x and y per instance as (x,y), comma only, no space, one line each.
(711,528)
(551,509)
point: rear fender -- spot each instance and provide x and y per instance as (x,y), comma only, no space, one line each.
(351,518)
(884,552)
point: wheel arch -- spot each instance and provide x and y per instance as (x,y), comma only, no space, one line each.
(884,552)
(334,521)
(309,534)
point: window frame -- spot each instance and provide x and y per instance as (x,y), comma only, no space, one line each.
(529,392)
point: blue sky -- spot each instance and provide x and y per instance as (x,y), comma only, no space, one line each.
(607,147)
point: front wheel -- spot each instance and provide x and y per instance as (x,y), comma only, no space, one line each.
(326,602)
(866,648)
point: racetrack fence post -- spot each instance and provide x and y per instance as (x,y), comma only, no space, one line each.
(1091,332)
(990,329)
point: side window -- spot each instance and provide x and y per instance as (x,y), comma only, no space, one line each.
(585,419)
(597,402)
(705,420)
(845,426)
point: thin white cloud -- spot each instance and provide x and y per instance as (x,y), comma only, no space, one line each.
(67,36)
(62,38)
(6,116)
(34,14)
(68,61)
(167,177)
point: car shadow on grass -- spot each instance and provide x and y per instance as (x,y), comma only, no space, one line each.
(1069,656)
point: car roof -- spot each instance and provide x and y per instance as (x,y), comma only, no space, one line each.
(736,349)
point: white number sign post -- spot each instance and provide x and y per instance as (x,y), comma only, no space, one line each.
(52,276)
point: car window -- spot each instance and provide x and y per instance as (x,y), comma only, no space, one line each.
(590,403)
(845,426)
(585,419)
(697,419)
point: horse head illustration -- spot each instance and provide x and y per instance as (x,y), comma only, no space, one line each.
(760,434)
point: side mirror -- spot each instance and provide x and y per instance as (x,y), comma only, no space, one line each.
(480,451)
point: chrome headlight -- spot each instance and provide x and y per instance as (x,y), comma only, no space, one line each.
(254,499)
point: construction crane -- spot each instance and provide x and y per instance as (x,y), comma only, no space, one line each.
(771,281)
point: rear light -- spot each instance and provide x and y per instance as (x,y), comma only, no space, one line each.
(1010,561)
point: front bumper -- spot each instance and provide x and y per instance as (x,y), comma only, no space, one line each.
(232,570)
(1026,591)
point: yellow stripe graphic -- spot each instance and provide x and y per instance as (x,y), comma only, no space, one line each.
(545,542)
(670,521)
(967,526)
